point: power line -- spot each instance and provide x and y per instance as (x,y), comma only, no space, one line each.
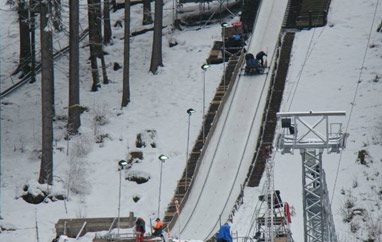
(355,94)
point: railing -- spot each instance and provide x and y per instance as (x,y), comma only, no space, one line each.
(312,19)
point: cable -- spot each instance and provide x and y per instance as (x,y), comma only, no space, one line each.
(355,95)
(307,55)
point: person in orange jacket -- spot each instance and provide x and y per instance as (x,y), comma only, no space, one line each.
(158,228)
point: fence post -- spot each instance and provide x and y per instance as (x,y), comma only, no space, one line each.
(82,228)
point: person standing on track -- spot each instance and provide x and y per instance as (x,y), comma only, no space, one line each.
(260,57)
(224,234)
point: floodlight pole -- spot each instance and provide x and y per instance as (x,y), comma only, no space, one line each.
(224,25)
(122,164)
(162,159)
(190,111)
(298,133)
(204,68)
(119,199)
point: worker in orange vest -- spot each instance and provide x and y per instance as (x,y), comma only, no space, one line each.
(158,228)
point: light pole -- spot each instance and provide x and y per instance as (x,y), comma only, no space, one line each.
(224,25)
(204,68)
(122,164)
(162,159)
(190,111)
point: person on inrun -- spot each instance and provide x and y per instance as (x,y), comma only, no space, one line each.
(224,234)
(260,57)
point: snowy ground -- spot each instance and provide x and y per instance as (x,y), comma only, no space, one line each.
(336,67)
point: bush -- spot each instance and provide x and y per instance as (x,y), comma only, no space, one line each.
(77,174)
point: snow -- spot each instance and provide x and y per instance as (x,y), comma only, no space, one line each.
(336,67)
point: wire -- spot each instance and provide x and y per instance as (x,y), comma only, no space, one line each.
(307,55)
(355,95)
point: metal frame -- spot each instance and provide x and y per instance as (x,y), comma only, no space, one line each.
(297,132)
(271,221)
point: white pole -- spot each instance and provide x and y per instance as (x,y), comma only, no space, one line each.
(224,58)
(188,141)
(160,186)
(119,198)
(35,213)
(204,103)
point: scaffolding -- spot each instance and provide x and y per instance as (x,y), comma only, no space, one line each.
(274,216)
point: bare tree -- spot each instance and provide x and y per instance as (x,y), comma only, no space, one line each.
(156,56)
(100,53)
(74,121)
(47,90)
(106,22)
(57,19)
(32,12)
(93,44)
(147,19)
(126,57)
(25,47)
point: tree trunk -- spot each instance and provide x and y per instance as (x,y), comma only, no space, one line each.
(32,9)
(100,53)
(147,19)
(74,120)
(126,57)
(104,72)
(106,22)
(46,168)
(156,56)
(93,44)
(57,19)
(25,47)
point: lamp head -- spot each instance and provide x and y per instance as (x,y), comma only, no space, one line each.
(190,111)
(163,158)
(122,163)
(224,24)
(205,67)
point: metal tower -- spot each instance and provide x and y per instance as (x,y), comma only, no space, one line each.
(311,133)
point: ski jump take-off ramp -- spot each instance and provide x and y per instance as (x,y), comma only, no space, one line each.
(229,153)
